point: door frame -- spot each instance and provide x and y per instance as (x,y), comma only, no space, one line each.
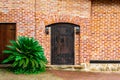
(74,25)
(15,28)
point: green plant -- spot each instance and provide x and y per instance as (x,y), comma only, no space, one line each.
(26,55)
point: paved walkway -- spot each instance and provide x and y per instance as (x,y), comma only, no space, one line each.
(70,75)
(60,75)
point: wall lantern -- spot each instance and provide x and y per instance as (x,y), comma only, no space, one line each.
(47,30)
(77,28)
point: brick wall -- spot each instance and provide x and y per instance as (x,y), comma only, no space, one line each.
(105,37)
(97,41)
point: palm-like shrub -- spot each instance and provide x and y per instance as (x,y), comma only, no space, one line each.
(26,55)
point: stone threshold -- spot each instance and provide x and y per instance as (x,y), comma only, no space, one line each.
(65,67)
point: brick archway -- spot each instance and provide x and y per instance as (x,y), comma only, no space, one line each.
(44,39)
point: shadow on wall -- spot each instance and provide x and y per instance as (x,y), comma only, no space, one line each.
(106,2)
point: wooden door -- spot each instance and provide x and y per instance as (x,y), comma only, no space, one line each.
(62,44)
(7,33)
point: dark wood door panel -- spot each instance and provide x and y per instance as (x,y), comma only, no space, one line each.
(7,26)
(7,33)
(62,44)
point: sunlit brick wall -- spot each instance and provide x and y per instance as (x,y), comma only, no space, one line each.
(105,37)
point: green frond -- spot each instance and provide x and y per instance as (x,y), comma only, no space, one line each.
(15,63)
(17,58)
(8,51)
(36,63)
(21,62)
(26,62)
(11,47)
(42,64)
(14,43)
(32,62)
(10,58)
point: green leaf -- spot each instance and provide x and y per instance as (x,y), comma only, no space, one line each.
(32,62)
(14,43)
(18,58)
(42,64)
(36,63)
(11,47)
(7,51)
(10,58)
(26,62)
(21,62)
(15,63)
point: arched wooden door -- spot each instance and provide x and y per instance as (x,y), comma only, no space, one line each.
(62,44)
(7,33)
